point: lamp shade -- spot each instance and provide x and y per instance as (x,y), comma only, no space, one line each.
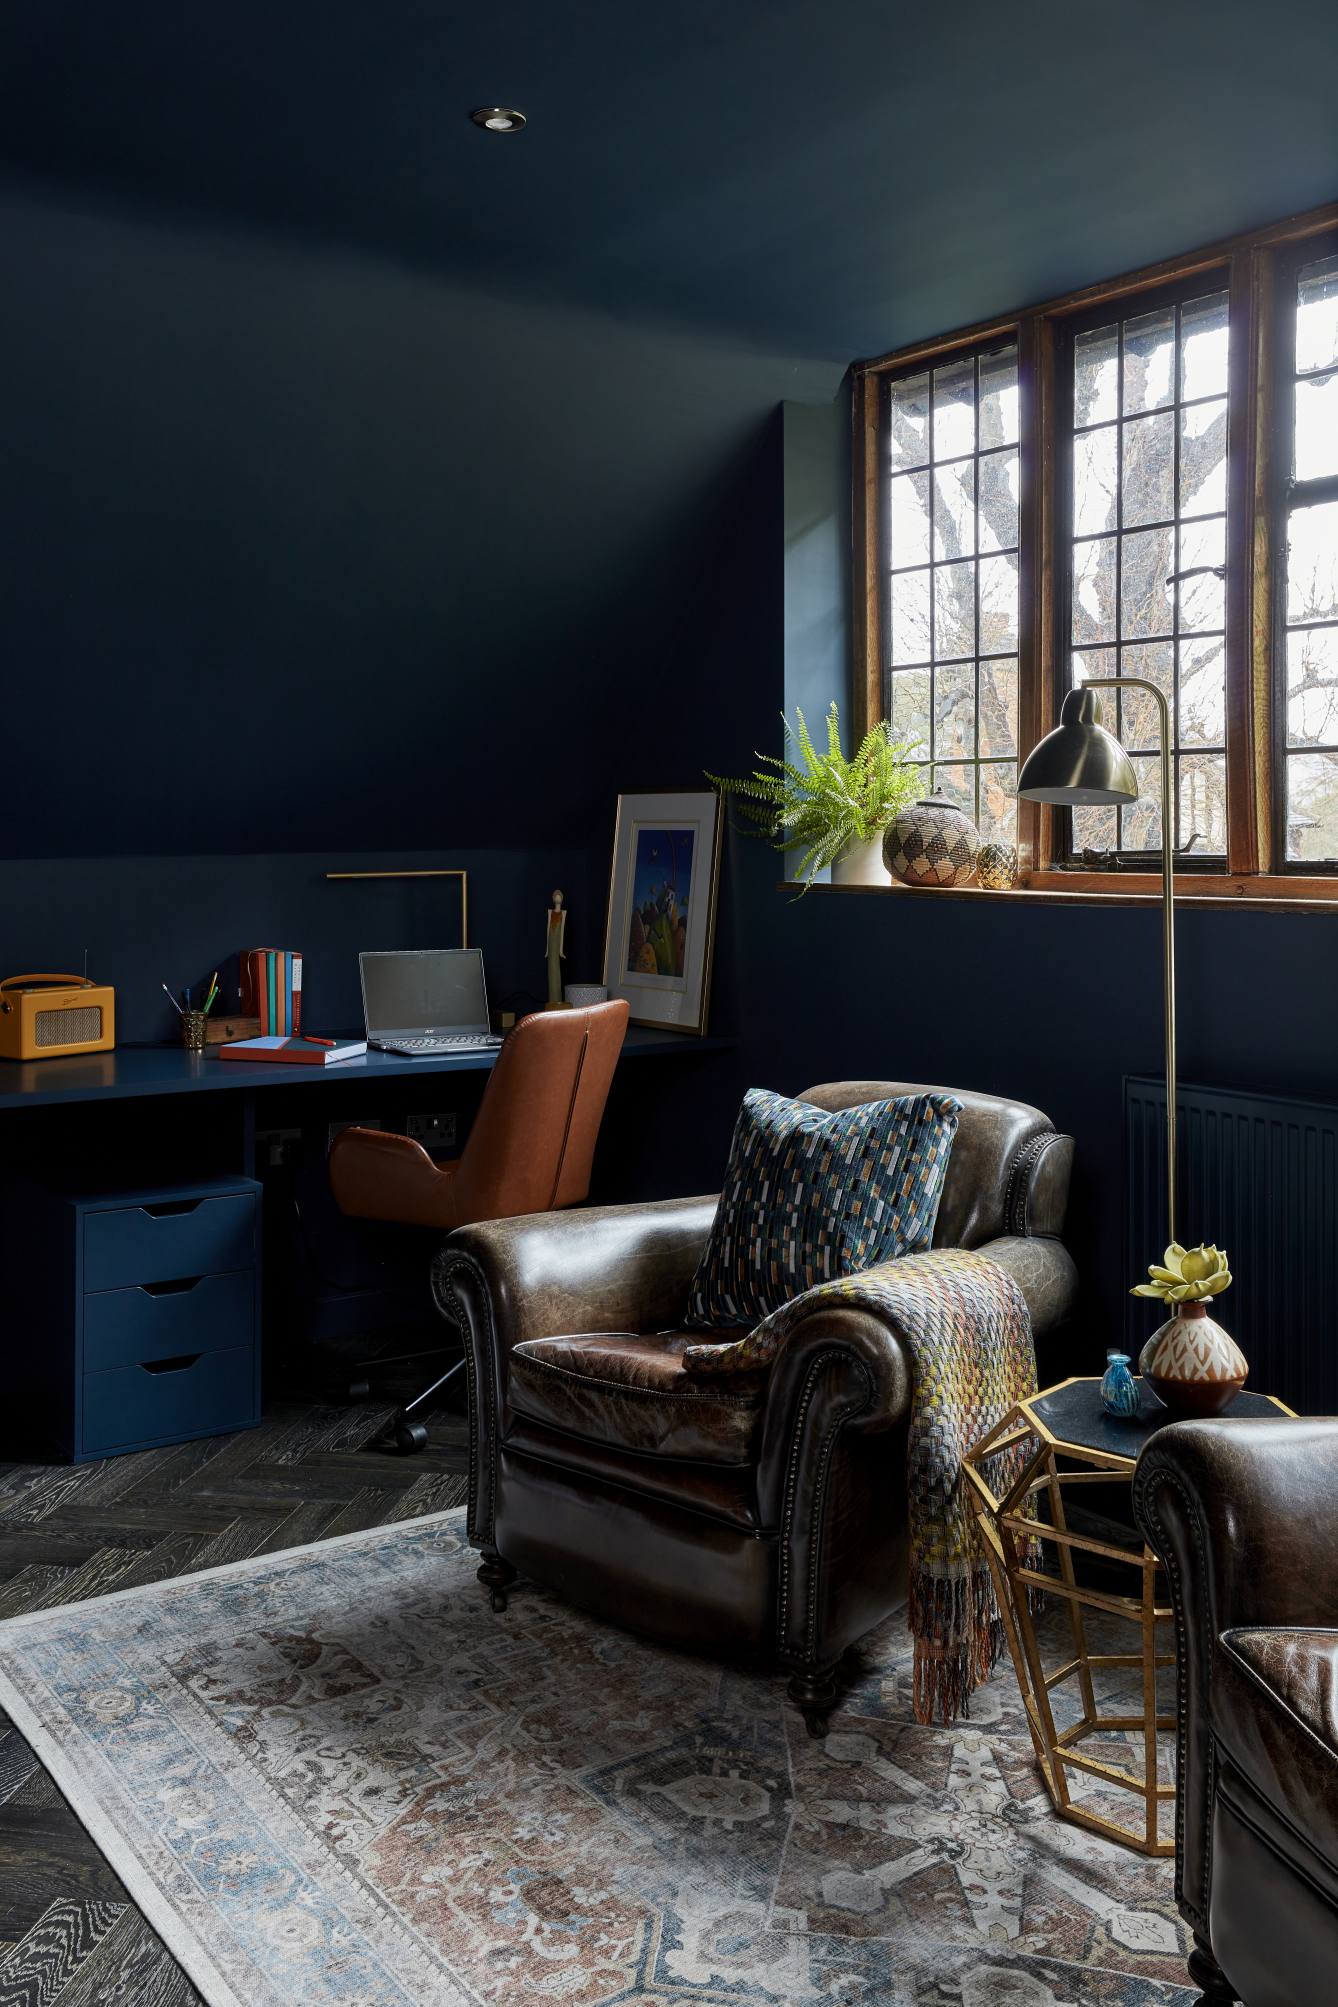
(1080,764)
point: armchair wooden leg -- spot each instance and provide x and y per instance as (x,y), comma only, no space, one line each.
(814,1694)
(1216,1989)
(496,1576)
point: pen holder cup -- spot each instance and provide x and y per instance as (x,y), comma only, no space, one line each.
(193,1023)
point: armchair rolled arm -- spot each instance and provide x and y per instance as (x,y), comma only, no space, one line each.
(603,1268)
(1037,1195)
(1243,1516)
(1043,1270)
(869,1375)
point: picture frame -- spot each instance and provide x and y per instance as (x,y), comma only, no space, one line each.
(659,941)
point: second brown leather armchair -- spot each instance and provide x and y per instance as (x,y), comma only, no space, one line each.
(1244,1515)
(765,1518)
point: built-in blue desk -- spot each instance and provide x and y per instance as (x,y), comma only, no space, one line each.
(137,1072)
(119,1356)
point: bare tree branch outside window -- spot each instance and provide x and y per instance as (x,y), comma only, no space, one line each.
(1148,558)
(952,579)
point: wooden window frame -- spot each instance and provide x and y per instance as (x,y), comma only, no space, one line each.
(1280,498)
(1249,264)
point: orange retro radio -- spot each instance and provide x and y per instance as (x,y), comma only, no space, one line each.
(48,1017)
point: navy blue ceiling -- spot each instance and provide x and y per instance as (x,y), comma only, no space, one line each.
(828,179)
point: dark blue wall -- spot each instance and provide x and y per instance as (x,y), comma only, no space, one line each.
(308,557)
(305,551)
(145,920)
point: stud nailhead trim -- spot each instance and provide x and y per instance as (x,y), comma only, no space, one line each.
(446,1265)
(832,1355)
(1019,1180)
(1145,1478)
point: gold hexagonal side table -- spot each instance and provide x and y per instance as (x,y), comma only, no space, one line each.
(1042,1437)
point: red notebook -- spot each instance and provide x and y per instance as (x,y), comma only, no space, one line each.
(294,1051)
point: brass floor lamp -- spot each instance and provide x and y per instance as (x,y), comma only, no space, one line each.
(1082,765)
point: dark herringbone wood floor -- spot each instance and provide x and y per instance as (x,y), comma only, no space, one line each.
(69,1934)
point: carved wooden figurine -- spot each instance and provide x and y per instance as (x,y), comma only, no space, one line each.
(557,935)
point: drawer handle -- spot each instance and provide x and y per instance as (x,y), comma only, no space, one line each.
(177,1288)
(170,1208)
(178,1365)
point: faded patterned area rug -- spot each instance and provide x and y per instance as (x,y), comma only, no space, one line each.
(334,1775)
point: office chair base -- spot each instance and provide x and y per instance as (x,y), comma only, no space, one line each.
(408,1437)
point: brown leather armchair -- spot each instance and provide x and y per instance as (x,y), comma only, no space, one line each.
(1244,1515)
(764,1519)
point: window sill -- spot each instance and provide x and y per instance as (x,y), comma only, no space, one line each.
(1081,888)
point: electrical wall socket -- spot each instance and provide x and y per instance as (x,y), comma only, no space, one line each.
(434,1132)
(275,1147)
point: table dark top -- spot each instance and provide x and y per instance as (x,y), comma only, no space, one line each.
(132,1072)
(1073,1413)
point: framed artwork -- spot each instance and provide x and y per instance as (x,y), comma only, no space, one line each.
(662,899)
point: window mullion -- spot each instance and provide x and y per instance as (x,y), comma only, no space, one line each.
(1249,640)
(869,543)
(1036,515)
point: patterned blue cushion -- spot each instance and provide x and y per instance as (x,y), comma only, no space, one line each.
(810,1196)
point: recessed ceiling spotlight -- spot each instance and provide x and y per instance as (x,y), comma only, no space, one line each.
(499,118)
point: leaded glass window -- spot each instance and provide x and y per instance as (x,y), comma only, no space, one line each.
(1310,590)
(951,436)
(1147,558)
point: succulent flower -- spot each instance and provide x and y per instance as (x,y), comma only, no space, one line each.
(1186,1275)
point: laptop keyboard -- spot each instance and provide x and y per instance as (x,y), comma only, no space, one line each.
(452,1044)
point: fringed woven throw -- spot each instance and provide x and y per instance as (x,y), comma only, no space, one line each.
(966,1325)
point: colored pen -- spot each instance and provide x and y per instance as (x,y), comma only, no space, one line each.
(308,1038)
(172,1000)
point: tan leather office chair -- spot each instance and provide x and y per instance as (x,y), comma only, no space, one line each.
(529,1151)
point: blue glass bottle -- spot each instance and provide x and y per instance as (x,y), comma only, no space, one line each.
(1119,1389)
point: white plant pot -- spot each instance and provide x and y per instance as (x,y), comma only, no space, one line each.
(862,864)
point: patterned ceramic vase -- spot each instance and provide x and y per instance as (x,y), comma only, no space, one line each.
(861,864)
(1192,1364)
(996,867)
(932,843)
(1119,1389)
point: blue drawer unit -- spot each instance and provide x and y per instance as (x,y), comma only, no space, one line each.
(169,1240)
(136,1314)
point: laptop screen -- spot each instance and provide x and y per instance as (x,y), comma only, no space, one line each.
(437,989)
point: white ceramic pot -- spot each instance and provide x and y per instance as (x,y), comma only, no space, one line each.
(862,864)
(1192,1364)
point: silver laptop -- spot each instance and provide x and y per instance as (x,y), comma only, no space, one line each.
(422,1001)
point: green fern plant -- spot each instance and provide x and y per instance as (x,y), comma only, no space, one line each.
(821,803)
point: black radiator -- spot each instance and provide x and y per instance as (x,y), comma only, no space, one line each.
(1259,1177)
